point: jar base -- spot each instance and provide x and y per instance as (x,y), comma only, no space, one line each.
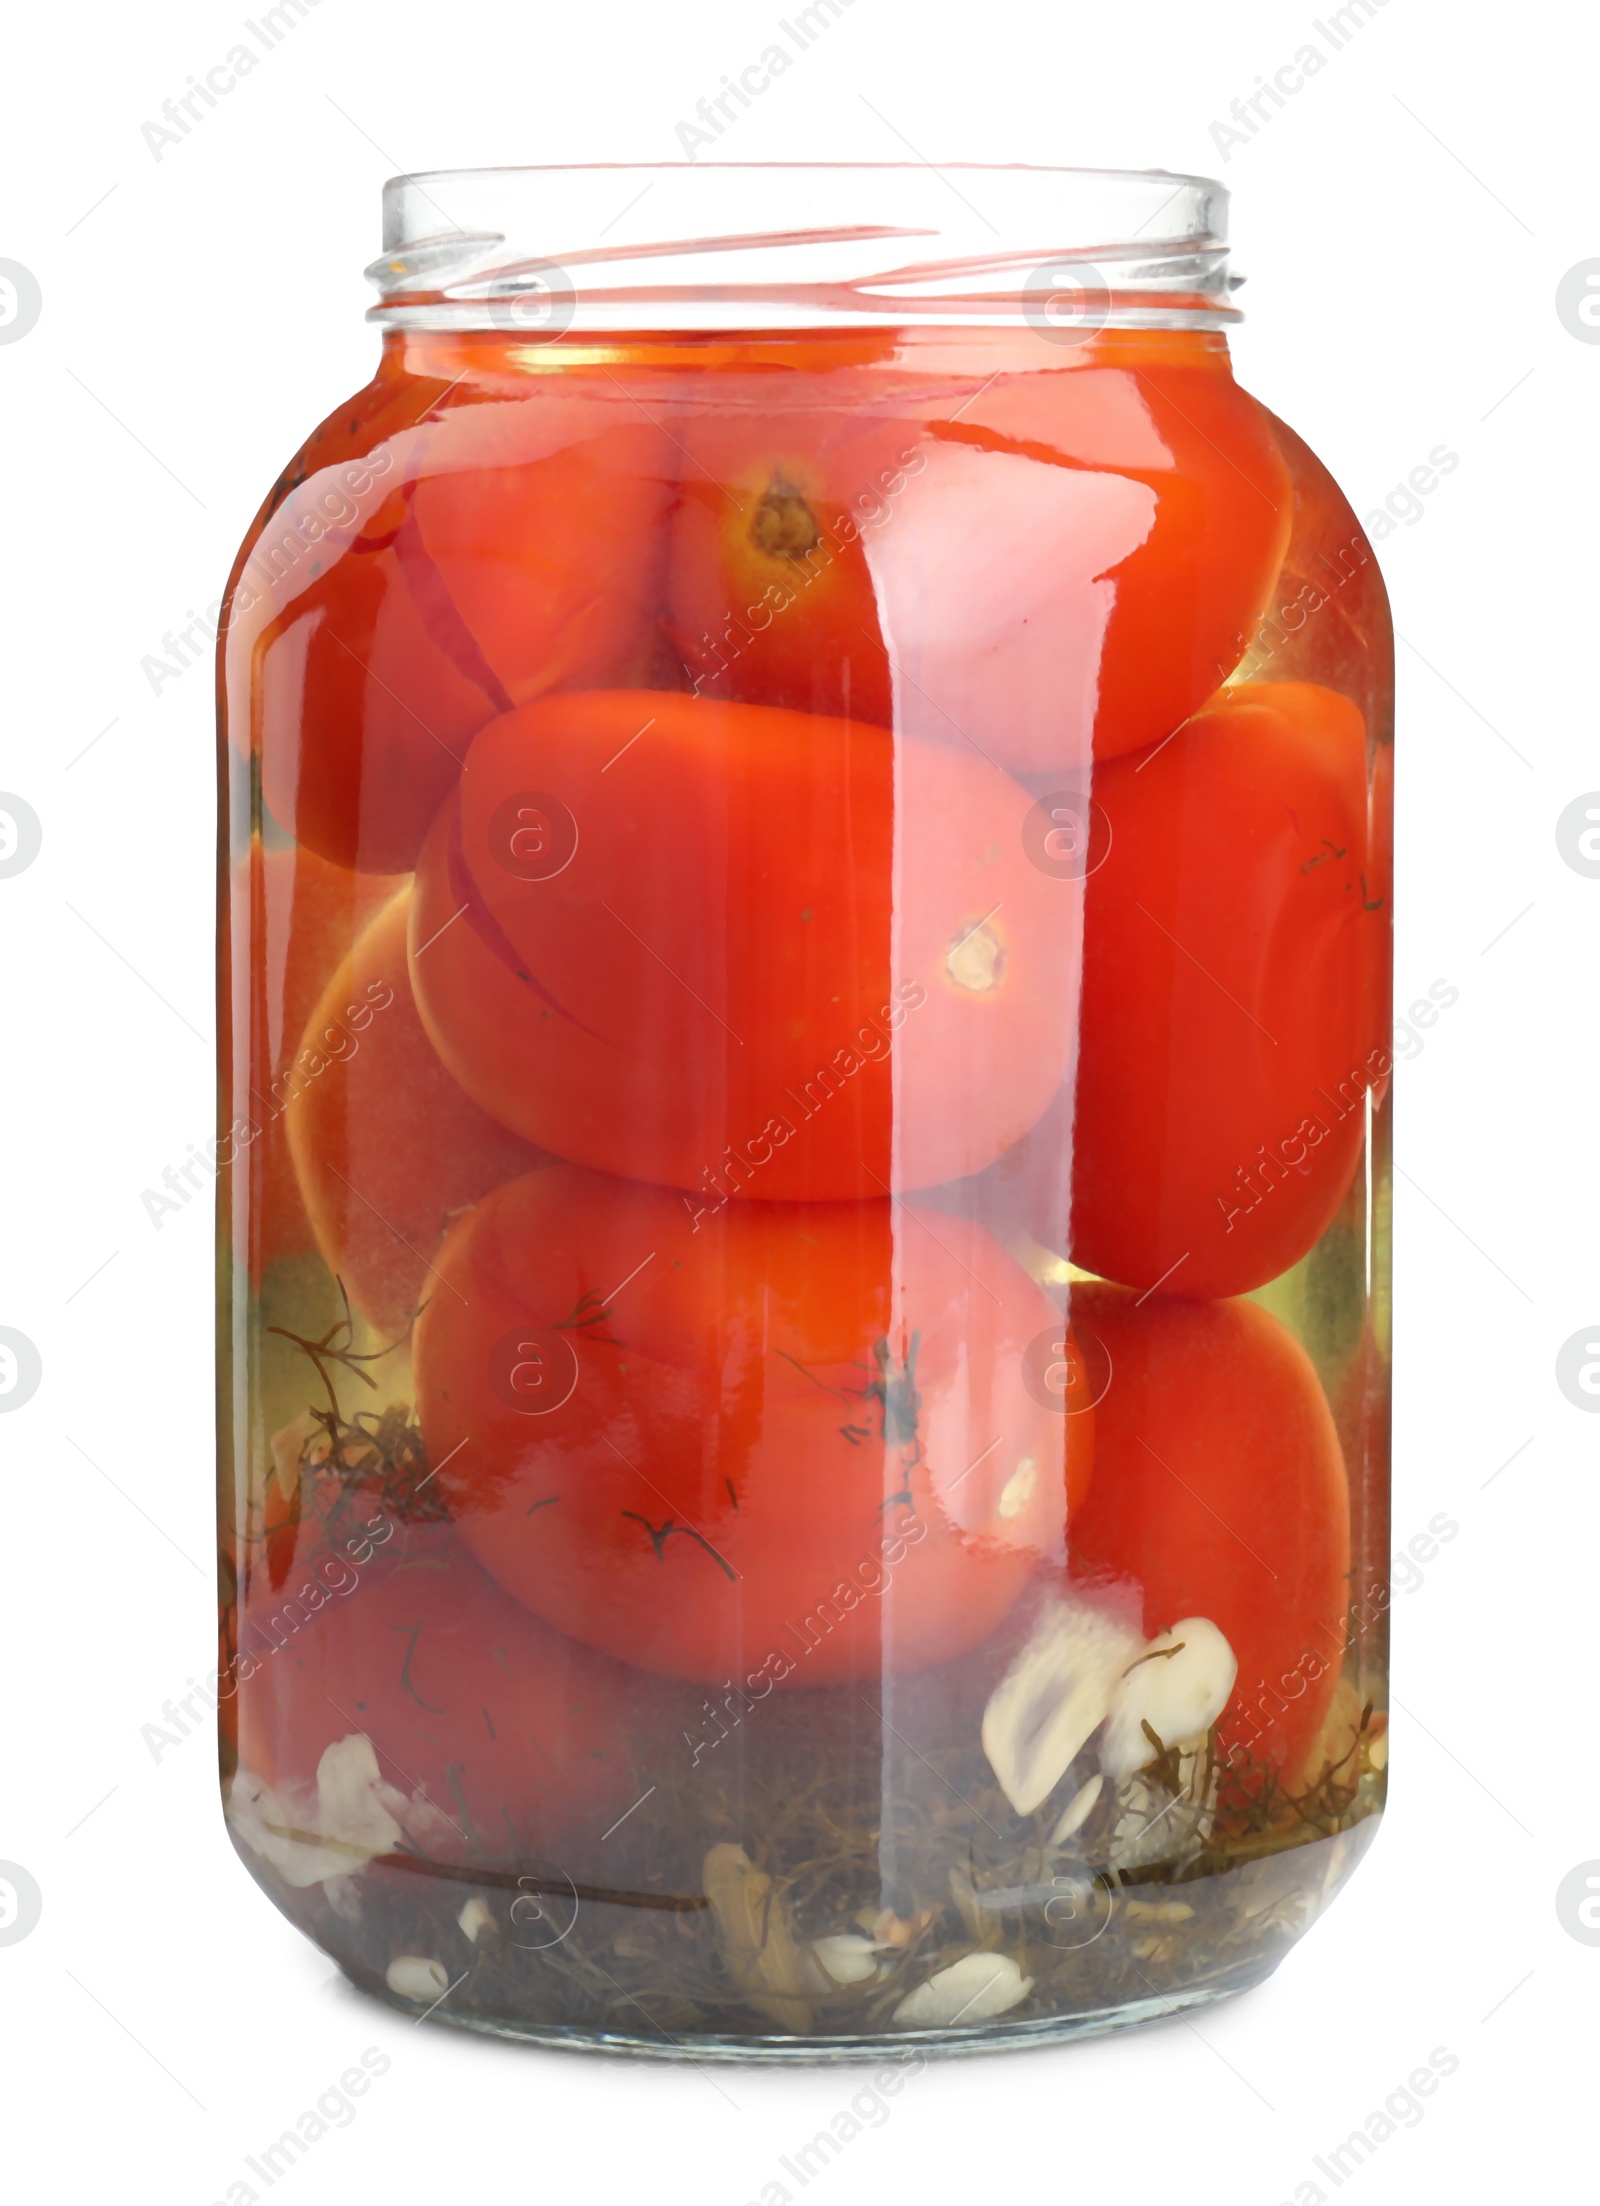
(820,2050)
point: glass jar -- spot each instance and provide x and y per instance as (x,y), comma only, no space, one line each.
(806,898)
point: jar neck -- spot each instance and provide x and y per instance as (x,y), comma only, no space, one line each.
(542,254)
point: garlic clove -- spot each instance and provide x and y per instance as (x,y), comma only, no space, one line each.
(280,1827)
(1078,1811)
(335,1832)
(1179,1685)
(846,1958)
(973,1989)
(355,1808)
(758,1941)
(284,1828)
(1055,1694)
(475,1921)
(409,1976)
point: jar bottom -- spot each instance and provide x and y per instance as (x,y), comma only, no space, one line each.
(843,2049)
(651,1975)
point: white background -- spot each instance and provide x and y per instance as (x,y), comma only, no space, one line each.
(1405,221)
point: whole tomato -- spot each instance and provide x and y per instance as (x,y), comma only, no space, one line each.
(790,1441)
(1233,1025)
(769,594)
(386,1146)
(741,950)
(1131,521)
(1326,618)
(1220,1491)
(544,524)
(291,916)
(509,1733)
(364,707)
(493,551)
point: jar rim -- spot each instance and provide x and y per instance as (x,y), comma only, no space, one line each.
(538,250)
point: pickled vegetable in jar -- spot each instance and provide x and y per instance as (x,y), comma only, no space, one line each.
(806,929)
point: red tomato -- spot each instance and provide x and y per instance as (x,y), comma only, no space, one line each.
(1147,513)
(1220,1490)
(551,561)
(1131,524)
(1326,618)
(517,550)
(738,949)
(518,1737)
(1229,1034)
(770,598)
(368,693)
(317,565)
(385,1144)
(791,1439)
(291,916)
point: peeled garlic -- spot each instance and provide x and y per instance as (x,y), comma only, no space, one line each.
(354,1805)
(757,1938)
(1078,1810)
(846,1958)
(1179,1686)
(969,1990)
(332,1831)
(411,1977)
(277,1828)
(1055,1693)
(474,1920)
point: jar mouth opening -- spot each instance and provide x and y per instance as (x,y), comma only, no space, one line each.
(722,244)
